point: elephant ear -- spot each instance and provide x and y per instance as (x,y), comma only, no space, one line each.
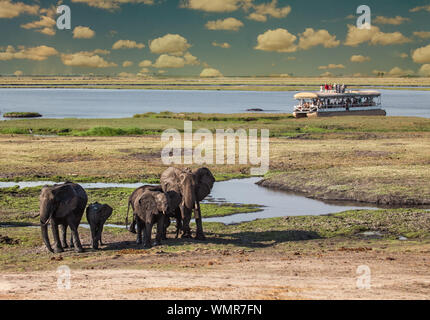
(105,211)
(204,182)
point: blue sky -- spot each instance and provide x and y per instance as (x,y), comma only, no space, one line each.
(260,37)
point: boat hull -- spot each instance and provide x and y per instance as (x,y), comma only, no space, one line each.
(318,114)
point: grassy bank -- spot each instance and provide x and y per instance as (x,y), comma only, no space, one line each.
(280,237)
(275,83)
(280,125)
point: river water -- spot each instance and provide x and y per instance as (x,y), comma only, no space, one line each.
(243,191)
(107,103)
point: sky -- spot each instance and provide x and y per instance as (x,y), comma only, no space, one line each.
(214,38)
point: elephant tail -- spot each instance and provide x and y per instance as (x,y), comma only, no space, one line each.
(128,211)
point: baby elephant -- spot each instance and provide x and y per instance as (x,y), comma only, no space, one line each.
(97,215)
(150,208)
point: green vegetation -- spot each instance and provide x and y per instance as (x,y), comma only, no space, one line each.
(22,115)
(280,125)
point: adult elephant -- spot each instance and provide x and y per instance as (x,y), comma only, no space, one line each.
(192,186)
(62,204)
(172,211)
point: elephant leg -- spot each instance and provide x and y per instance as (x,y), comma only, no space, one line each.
(160,230)
(72,243)
(94,240)
(64,236)
(178,225)
(132,227)
(166,225)
(186,218)
(75,237)
(148,232)
(57,243)
(139,238)
(198,216)
(100,234)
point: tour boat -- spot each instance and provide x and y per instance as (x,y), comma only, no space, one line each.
(332,103)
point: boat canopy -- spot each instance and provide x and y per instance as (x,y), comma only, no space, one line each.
(331,95)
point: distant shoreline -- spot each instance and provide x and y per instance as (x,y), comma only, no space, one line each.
(220,84)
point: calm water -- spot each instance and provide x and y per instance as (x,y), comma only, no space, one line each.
(244,191)
(102,103)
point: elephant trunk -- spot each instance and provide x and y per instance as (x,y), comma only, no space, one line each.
(45,236)
(189,199)
(197,211)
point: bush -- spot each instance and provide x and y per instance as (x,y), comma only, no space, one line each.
(22,115)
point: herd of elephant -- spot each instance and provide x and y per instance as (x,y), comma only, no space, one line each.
(178,195)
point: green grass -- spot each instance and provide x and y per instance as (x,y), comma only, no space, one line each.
(280,125)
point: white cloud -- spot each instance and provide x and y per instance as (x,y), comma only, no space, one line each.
(86,59)
(332,66)
(127,44)
(374,36)
(145,64)
(232,24)
(81,32)
(166,61)
(210,73)
(212,5)
(399,72)
(173,44)
(127,64)
(144,71)
(311,38)
(327,74)
(422,55)
(224,45)
(359,58)
(45,25)
(39,53)
(262,11)
(395,21)
(111,4)
(126,75)
(425,70)
(422,34)
(279,40)
(191,60)
(421,8)
(9,9)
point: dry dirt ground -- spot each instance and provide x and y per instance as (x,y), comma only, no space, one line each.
(328,274)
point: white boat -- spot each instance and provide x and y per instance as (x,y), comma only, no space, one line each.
(330,103)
